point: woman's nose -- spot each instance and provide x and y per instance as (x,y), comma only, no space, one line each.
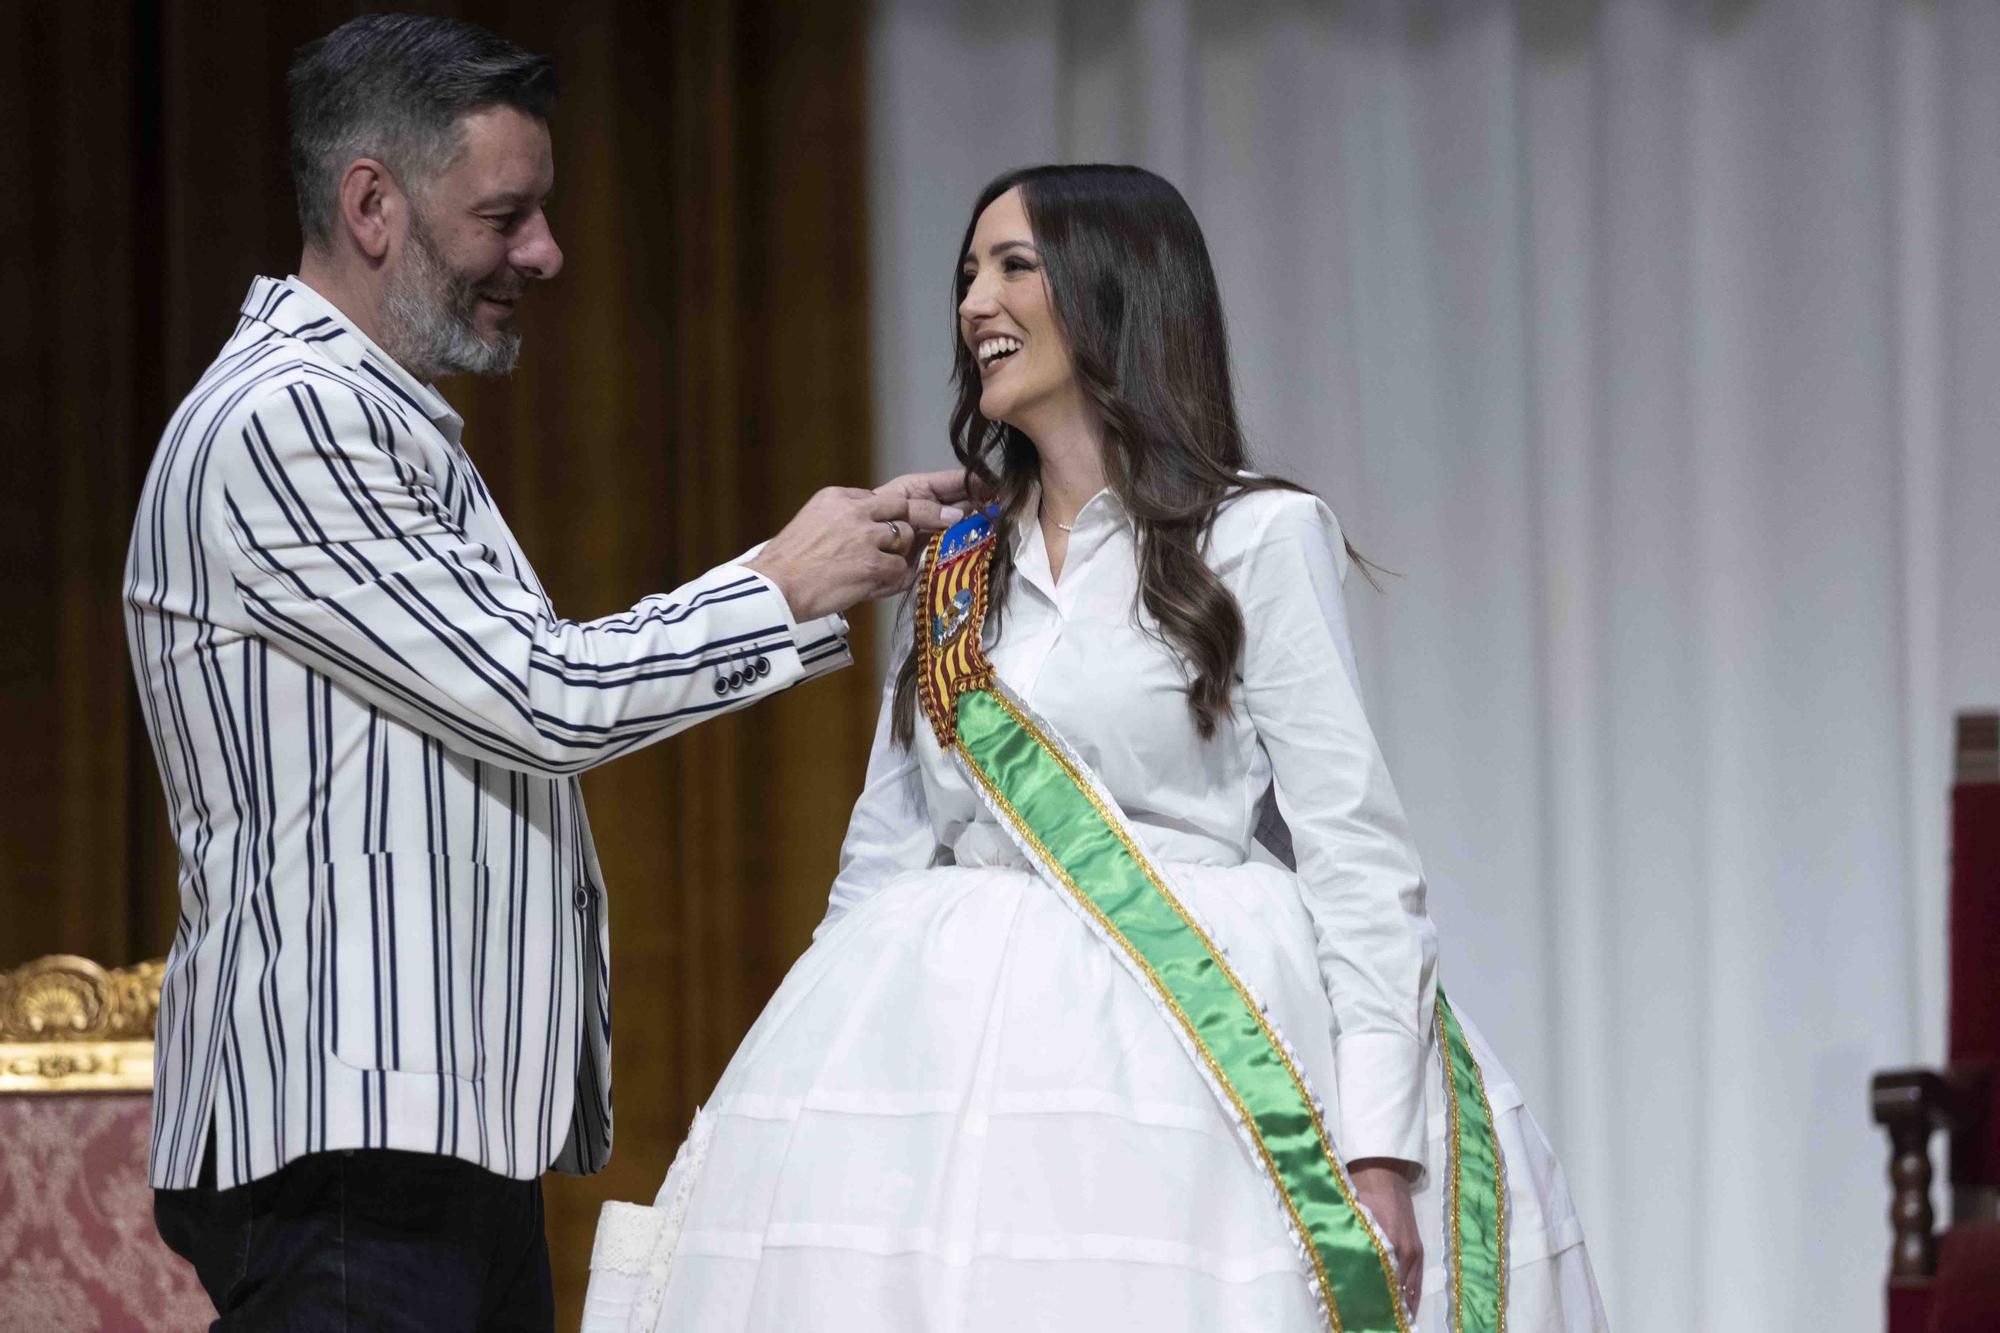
(978,300)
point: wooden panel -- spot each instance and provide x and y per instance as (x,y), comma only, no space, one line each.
(68,255)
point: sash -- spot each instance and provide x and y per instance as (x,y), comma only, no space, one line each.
(1073,833)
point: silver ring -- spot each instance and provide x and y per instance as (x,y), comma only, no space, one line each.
(895,532)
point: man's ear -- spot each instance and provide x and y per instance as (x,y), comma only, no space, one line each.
(370,203)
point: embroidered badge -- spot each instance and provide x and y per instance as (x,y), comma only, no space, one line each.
(951,606)
(946,627)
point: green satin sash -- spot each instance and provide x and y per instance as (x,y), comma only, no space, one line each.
(1074,834)
(1475,1205)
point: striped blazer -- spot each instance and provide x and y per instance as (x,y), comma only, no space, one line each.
(369,723)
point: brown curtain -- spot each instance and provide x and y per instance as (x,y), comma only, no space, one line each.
(699,368)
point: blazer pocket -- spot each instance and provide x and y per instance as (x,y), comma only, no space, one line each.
(403,932)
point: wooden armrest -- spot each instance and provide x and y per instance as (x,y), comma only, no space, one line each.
(1910,1104)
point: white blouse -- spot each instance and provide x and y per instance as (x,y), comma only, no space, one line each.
(1078,650)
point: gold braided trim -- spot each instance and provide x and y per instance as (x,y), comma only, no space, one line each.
(1499,1187)
(1117,827)
(1451,1179)
(945,671)
(1451,1183)
(926,690)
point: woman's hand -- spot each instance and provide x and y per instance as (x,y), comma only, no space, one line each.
(1383,1183)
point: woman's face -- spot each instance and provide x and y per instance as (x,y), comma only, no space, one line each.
(1007,320)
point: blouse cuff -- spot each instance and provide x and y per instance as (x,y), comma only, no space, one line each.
(1380,1080)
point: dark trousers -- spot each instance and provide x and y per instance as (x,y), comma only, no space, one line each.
(366,1240)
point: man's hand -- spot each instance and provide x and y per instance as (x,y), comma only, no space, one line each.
(849,545)
(936,499)
(1384,1185)
(845,546)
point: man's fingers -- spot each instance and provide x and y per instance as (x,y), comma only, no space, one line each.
(885,505)
(936,500)
(891,574)
(930,516)
(946,486)
(896,537)
(952,486)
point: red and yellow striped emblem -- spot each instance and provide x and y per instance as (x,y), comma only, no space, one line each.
(951,607)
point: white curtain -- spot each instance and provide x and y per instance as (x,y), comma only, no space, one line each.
(1657,345)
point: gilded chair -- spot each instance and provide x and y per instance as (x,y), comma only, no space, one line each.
(77,1246)
(1950,1283)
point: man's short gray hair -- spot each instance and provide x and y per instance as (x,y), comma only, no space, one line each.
(394,87)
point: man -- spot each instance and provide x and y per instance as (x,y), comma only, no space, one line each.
(386,1009)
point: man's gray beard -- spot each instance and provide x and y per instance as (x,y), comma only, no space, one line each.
(428,314)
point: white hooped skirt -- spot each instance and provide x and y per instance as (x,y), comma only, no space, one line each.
(961,1114)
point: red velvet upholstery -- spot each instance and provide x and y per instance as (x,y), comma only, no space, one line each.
(1975,967)
(1966,1296)
(77,1246)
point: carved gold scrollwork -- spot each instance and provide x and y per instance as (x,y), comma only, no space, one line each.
(69,1025)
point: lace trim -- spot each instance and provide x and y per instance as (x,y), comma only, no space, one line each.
(671,1208)
(625,1236)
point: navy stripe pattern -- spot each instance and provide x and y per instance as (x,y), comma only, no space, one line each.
(369,724)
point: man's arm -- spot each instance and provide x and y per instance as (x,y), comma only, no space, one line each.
(344,554)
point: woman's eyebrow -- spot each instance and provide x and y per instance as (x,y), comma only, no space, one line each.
(995,250)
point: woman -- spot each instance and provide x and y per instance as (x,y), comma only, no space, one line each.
(996,1093)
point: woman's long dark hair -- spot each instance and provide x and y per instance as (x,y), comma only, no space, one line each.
(1134,293)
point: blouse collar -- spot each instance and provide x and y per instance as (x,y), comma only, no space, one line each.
(1102,510)
(1101,516)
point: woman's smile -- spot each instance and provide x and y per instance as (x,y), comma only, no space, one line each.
(992,351)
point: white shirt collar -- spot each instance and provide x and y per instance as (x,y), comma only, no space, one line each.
(1103,508)
(1101,516)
